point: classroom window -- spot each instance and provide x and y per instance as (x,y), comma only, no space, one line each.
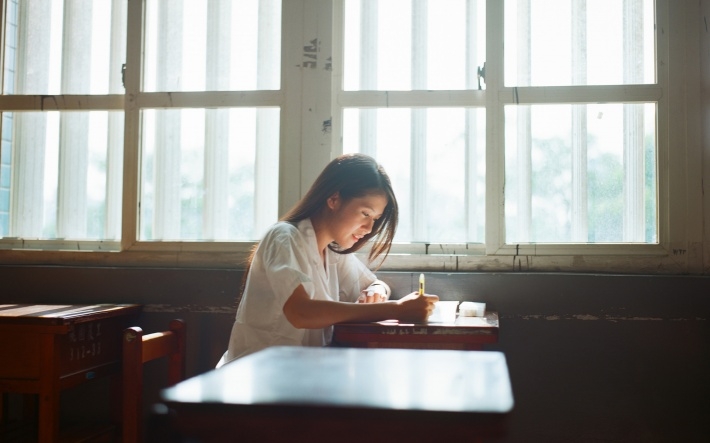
(178,126)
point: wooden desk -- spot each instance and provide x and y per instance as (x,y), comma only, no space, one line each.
(467,333)
(47,348)
(327,394)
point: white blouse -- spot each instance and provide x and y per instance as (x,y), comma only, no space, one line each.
(286,257)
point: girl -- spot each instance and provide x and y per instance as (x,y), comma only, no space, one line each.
(302,277)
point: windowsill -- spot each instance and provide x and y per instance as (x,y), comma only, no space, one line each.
(638,259)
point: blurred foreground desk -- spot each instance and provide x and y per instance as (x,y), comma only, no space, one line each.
(345,394)
(47,348)
(469,333)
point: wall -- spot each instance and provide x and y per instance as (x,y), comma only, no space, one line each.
(592,357)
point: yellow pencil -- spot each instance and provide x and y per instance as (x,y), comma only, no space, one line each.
(421,284)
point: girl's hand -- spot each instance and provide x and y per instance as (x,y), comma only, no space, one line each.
(375,293)
(416,308)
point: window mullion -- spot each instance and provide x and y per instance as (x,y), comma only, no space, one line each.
(291,79)
(306,138)
(669,214)
(114,156)
(495,135)
(132,83)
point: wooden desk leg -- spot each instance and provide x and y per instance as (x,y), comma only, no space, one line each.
(49,390)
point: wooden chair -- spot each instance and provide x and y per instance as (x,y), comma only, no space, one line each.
(137,350)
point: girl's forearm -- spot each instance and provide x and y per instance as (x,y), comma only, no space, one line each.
(315,314)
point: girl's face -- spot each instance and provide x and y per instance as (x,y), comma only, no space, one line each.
(353,219)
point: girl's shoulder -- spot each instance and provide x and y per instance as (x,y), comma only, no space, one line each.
(282,237)
(282,231)
(283,226)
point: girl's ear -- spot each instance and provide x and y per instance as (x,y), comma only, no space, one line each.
(334,201)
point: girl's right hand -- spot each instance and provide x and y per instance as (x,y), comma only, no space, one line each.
(415,308)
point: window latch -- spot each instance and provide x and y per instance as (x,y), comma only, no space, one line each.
(481,75)
(123,77)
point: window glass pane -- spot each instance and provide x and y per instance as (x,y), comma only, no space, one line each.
(208,174)
(436,160)
(64,46)
(61,175)
(579,42)
(413,44)
(214,45)
(580,173)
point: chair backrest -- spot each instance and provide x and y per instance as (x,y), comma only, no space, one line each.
(137,350)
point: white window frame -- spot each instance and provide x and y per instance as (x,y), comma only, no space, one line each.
(311,102)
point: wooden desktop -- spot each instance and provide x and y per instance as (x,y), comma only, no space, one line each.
(314,394)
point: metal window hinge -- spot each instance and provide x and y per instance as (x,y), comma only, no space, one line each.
(481,75)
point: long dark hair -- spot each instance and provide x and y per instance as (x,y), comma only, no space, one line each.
(350,175)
